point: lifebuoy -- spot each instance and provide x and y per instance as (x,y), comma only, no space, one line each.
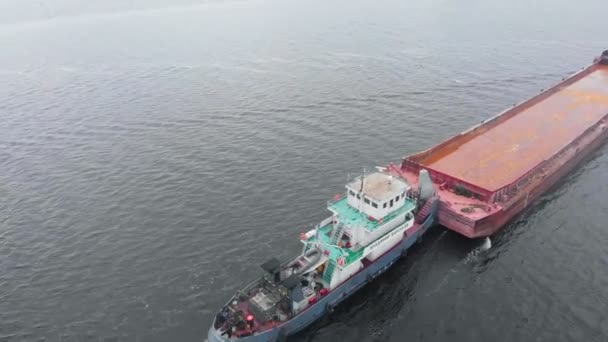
(340,261)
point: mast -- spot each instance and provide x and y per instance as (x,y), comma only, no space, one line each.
(361,190)
(362,176)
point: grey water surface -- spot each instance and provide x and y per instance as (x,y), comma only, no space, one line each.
(153,153)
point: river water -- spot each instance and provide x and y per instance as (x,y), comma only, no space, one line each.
(153,153)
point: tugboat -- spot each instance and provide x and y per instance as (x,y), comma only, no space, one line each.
(371,226)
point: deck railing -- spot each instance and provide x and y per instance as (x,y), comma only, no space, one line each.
(336,198)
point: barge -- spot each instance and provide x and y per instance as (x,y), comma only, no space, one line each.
(493,171)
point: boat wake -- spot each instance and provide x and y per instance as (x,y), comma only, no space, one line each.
(473,255)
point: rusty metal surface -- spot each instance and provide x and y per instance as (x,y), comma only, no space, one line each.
(495,157)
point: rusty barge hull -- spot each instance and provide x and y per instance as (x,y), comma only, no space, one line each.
(493,171)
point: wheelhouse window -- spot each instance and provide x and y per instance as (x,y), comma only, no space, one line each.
(391,204)
(374,204)
(350,192)
(384,205)
(366,201)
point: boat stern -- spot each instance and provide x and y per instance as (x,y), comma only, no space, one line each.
(214,336)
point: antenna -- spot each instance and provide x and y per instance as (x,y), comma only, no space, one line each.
(362,176)
(361,191)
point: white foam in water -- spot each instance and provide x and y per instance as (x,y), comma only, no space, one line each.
(485,245)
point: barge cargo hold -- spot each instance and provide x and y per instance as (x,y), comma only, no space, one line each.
(492,172)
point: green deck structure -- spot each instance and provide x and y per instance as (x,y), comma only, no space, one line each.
(352,217)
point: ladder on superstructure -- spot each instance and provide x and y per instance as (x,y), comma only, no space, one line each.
(329,272)
(337,234)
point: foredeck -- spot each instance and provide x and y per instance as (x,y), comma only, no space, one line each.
(496,154)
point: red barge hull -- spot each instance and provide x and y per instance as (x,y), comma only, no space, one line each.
(490,173)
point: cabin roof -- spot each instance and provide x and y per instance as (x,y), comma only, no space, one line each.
(379,186)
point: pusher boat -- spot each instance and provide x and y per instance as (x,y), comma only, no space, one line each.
(371,226)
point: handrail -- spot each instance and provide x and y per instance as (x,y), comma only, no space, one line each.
(336,198)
